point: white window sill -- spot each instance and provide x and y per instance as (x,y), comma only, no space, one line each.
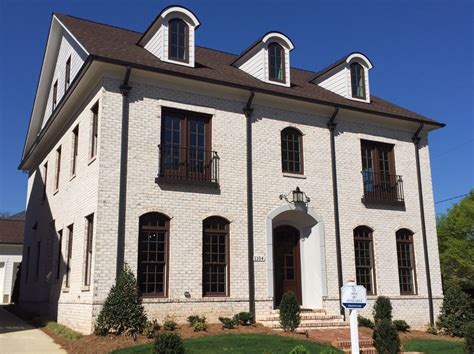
(65,290)
(294,175)
(85,288)
(92,159)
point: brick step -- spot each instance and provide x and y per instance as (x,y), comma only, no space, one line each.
(310,324)
(277,311)
(363,343)
(365,350)
(305,316)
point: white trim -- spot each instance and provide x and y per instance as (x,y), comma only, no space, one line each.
(281,36)
(72,36)
(183,11)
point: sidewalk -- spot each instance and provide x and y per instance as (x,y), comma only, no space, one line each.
(16,336)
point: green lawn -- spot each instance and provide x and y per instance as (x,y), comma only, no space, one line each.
(434,346)
(239,343)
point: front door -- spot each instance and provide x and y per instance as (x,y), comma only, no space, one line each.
(286,262)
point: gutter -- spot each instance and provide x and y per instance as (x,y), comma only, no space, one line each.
(248,110)
(122,212)
(416,141)
(332,126)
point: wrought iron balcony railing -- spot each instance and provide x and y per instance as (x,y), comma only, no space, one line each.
(188,165)
(382,188)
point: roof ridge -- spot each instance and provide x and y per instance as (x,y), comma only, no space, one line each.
(98,23)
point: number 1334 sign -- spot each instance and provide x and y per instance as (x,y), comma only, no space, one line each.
(353,296)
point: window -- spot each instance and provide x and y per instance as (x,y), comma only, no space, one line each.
(70,230)
(94,130)
(291,151)
(58,168)
(364,258)
(153,241)
(406,262)
(185,146)
(357,81)
(38,255)
(27,264)
(59,256)
(67,77)
(276,62)
(178,40)
(55,94)
(88,260)
(75,145)
(215,255)
(45,179)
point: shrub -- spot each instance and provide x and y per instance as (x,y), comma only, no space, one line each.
(228,323)
(469,337)
(299,349)
(169,324)
(168,343)
(244,318)
(456,312)
(382,309)
(151,329)
(385,336)
(365,322)
(193,319)
(401,325)
(198,323)
(289,311)
(123,309)
(200,326)
(431,330)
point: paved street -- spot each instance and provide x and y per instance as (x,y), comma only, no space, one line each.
(16,336)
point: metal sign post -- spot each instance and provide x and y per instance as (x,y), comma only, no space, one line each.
(353,297)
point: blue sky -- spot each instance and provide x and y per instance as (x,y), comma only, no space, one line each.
(422,52)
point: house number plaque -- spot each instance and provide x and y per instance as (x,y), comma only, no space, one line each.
(259,258)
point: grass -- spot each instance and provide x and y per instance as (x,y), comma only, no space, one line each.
(238,343)
(434,346)
(62,331)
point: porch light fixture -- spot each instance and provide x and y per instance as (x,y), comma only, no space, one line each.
(299,197)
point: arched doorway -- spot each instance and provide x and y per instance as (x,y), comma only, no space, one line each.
(286,262)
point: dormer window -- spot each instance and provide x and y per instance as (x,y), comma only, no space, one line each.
(178,40)
(276,62)
(357,81)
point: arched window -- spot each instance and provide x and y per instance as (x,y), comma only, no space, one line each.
(364,258)
(357,81)
(215,254)
(291,151)
(406,262)
(276,62)
(153,248)
(178,40)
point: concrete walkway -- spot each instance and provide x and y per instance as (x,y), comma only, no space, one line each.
(16,336)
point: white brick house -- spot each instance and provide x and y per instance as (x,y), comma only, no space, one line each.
(181,161)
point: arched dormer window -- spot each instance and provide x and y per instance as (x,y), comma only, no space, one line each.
(357,81)
(276,62)
(364,258)
(178,40)
(291,151)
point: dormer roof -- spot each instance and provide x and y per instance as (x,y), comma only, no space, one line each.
(345,59)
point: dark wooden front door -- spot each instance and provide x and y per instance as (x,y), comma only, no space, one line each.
(286,262)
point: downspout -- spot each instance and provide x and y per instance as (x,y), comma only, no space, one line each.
(124,90)
(332,126)
(248,110)
(416,140)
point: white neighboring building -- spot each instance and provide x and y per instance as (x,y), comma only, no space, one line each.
(194,166)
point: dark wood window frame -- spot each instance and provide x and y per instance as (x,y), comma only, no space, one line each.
(88,249)
(74,150)
(292,160)
(406,262)
(70,238)
(55,94)
(45,180)
(215,230)
(185,48)
(94,131)
(57,175)
(154,231)
(59,254)
(67,74)
(273,64)
(365,258)
(357,75)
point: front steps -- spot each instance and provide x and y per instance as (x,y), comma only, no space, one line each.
(310,319)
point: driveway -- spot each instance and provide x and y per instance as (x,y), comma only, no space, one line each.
(16,336)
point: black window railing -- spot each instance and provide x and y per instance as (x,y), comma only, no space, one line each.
(188,164)
(382,188)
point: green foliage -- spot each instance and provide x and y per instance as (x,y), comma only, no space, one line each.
(200,326)
(168,343)
(151,329)
(456,312)
(365,322)
(290,317)
(63,331)
(228,323)
(456,244)
(433,346)
(385,336)
(198,323)
(299,349)
(469,337)
(244,318)
(382,309)
(432,330)
(401,325)
(169,324)
(123,310)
